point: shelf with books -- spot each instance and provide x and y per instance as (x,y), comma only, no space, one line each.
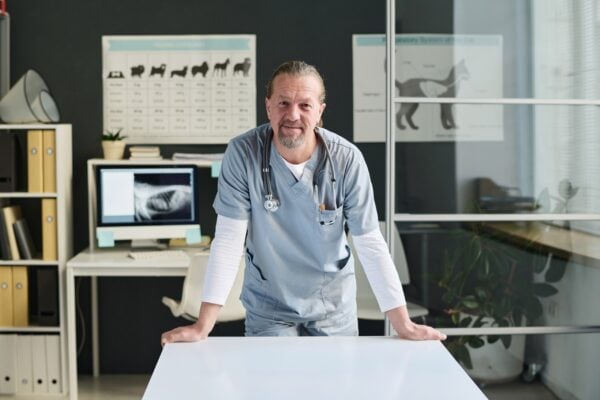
(35,244)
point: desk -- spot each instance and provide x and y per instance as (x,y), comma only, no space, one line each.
(348,368)
(114,262)
(562,241)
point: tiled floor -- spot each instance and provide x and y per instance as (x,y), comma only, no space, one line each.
(131,387)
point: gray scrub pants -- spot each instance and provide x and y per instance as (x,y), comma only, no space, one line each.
(343,324)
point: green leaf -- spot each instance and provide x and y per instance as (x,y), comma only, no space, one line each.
(465,322)
(454,318)
(478,322)
(470,302)
(462,354)
(492,339)
(556,271)
(476,342)
(544,289)
(533,308)
(481,293)
(517,316)
(506,340)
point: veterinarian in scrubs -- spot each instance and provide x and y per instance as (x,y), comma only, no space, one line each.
(292,186)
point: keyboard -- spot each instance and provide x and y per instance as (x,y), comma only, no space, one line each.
(175,255)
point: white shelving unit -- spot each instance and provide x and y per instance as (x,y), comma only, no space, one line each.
(63,156)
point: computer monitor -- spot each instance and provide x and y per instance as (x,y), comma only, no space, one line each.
(144,203)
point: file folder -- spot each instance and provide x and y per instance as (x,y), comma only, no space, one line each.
(11,215)
(53,363)
(8,364)
(5,252)
(24,365)
(35,165)
(49,250)
(8,162)
(27,250)
(40,373)
(6,296)
(20,296)
(49,161)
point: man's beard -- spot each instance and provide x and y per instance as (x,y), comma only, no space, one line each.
(291,142)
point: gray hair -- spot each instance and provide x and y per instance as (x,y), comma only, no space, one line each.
(296,68)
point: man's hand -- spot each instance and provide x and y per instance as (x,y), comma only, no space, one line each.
(190,333)
(407,329)
(198,330)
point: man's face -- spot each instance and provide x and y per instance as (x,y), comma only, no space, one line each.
(294,109)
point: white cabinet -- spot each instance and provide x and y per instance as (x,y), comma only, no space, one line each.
(48,214)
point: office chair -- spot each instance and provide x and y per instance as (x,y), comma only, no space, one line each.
(365,299)
(189,306)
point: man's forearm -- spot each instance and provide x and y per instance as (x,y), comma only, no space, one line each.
(207,317)
(399,318)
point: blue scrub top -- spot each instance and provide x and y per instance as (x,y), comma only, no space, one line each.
(297,268)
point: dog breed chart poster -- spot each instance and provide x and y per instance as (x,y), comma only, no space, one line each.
(434,66)
(179,89)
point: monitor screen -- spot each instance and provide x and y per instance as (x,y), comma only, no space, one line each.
(153,198)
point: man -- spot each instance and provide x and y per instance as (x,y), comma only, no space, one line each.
(293,187)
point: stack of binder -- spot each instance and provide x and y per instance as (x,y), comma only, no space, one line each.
(14,296)
(148,153)
(30,364)
(41,161)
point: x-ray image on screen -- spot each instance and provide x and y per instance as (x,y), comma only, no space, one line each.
(163,197)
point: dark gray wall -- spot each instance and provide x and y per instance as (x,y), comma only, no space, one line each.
(62,41)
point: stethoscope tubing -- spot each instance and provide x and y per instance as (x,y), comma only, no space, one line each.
(271,202)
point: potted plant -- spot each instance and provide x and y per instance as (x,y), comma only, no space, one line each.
(487,281)
(113,145)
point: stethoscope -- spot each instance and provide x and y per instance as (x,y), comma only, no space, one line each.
(272,203)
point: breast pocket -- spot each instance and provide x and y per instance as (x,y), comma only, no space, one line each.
(330,224)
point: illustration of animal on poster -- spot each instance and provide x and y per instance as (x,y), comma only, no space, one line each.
(429,66)
(179,89)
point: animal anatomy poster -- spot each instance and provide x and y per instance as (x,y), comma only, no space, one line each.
(464,66)
(179,89)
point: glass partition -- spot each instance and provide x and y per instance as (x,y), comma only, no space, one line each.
(543,49)
(538,159)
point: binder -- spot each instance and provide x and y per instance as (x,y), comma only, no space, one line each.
(49,161)
(25,243)
(24,365)
(20,296)
(6,296)
(35,165)
(8,364)
(8,162)
(53,363)
(40,372)
(49,250)
(11,215)
(5,253)
(47,296)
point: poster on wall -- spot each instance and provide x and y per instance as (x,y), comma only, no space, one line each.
(179,89)
(428,65)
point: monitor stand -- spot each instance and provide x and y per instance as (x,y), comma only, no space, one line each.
(152,244)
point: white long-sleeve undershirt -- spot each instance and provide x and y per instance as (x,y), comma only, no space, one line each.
(224,260)
(379,268)
(228,244)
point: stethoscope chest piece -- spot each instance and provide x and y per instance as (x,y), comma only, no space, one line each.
(271,204)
